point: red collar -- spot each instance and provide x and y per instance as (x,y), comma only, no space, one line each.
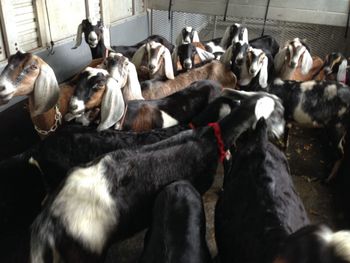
(220,142)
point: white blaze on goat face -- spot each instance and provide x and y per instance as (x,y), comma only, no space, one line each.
(299,49)
(188,38)
(330,91)
(85,206)
(264,107)
(93,39)
(154,61)
(168,121)
(256,65)
(7,90)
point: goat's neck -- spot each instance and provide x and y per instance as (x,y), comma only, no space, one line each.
(46,120)
(244,77)
(99,51)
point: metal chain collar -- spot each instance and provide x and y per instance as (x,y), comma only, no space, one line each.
(58,120)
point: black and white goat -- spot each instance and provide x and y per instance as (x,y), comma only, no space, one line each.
(187,56)
(187,35)
(317,104)
(316,244)
(214,70)
(234,34)
(294,62)
(177,233)
(111,197)
(259,206)
(153,61)
(250,65)
(97,37)
(334,68)
(100,90)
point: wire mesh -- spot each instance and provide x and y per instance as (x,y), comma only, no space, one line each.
(322,39)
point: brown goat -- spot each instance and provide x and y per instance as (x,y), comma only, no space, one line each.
(215,70)
(294,62)
(28,74)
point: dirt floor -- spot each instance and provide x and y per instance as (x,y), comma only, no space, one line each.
(309,164)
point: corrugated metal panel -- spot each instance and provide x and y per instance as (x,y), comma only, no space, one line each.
(27,30)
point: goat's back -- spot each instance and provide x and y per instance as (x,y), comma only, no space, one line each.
(259,206)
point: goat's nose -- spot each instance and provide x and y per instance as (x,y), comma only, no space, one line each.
(252,71)
(73,106)
(293,64)
(188,64)
(2,88)
(152,67)
(239,61)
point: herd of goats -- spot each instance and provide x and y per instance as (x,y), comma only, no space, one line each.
(134,140)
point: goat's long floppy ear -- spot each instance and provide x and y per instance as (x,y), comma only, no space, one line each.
(245,35)
(225,37)
(226,57)
(46,90)
(168,64)
(132,83)
(112,106)
(306,63)
(264,73)
(138,56)
(79,36)
(204,55)
(174,58)
(279,59)
(341,75)
(195,36)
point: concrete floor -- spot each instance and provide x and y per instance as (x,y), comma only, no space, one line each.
(309,166)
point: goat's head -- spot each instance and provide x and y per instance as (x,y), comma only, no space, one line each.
(124,71)
(93,32)
(265,105)
(239,53)
(27,74)
(233,34)
(157,57)
(95,88)
(187,35)
(186,54)
(315,243)
(295,52)
(257,63)
(335,63)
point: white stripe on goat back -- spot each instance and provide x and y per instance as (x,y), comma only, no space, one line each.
(264,107)
(168,121)
(86,207)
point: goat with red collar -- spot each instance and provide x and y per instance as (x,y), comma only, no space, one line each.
(111,198)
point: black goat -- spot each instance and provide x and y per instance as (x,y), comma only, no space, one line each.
(317,104)
(316,244)
(177,233)
(259,206)
(111,197)
(234,34)
(186,36)
(95,36)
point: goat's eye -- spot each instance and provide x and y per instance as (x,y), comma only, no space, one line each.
(33,67)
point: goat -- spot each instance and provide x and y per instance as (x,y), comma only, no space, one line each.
(250,65)
(294,62)
(258,207)
(186,56)
(316,244)
(96,35)
(28,74)
(74,145)
(334,68)
(187,35)
(177,233)
(215,70)
(153,61)
(111,197)
(316,104)
(234,34)
(98,90)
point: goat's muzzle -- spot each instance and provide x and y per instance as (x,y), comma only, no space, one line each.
(292,64)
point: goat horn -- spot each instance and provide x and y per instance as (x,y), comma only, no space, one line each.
(79,38)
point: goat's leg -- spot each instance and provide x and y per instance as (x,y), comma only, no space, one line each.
(286,137)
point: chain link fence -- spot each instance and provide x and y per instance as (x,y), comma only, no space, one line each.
(322,39)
